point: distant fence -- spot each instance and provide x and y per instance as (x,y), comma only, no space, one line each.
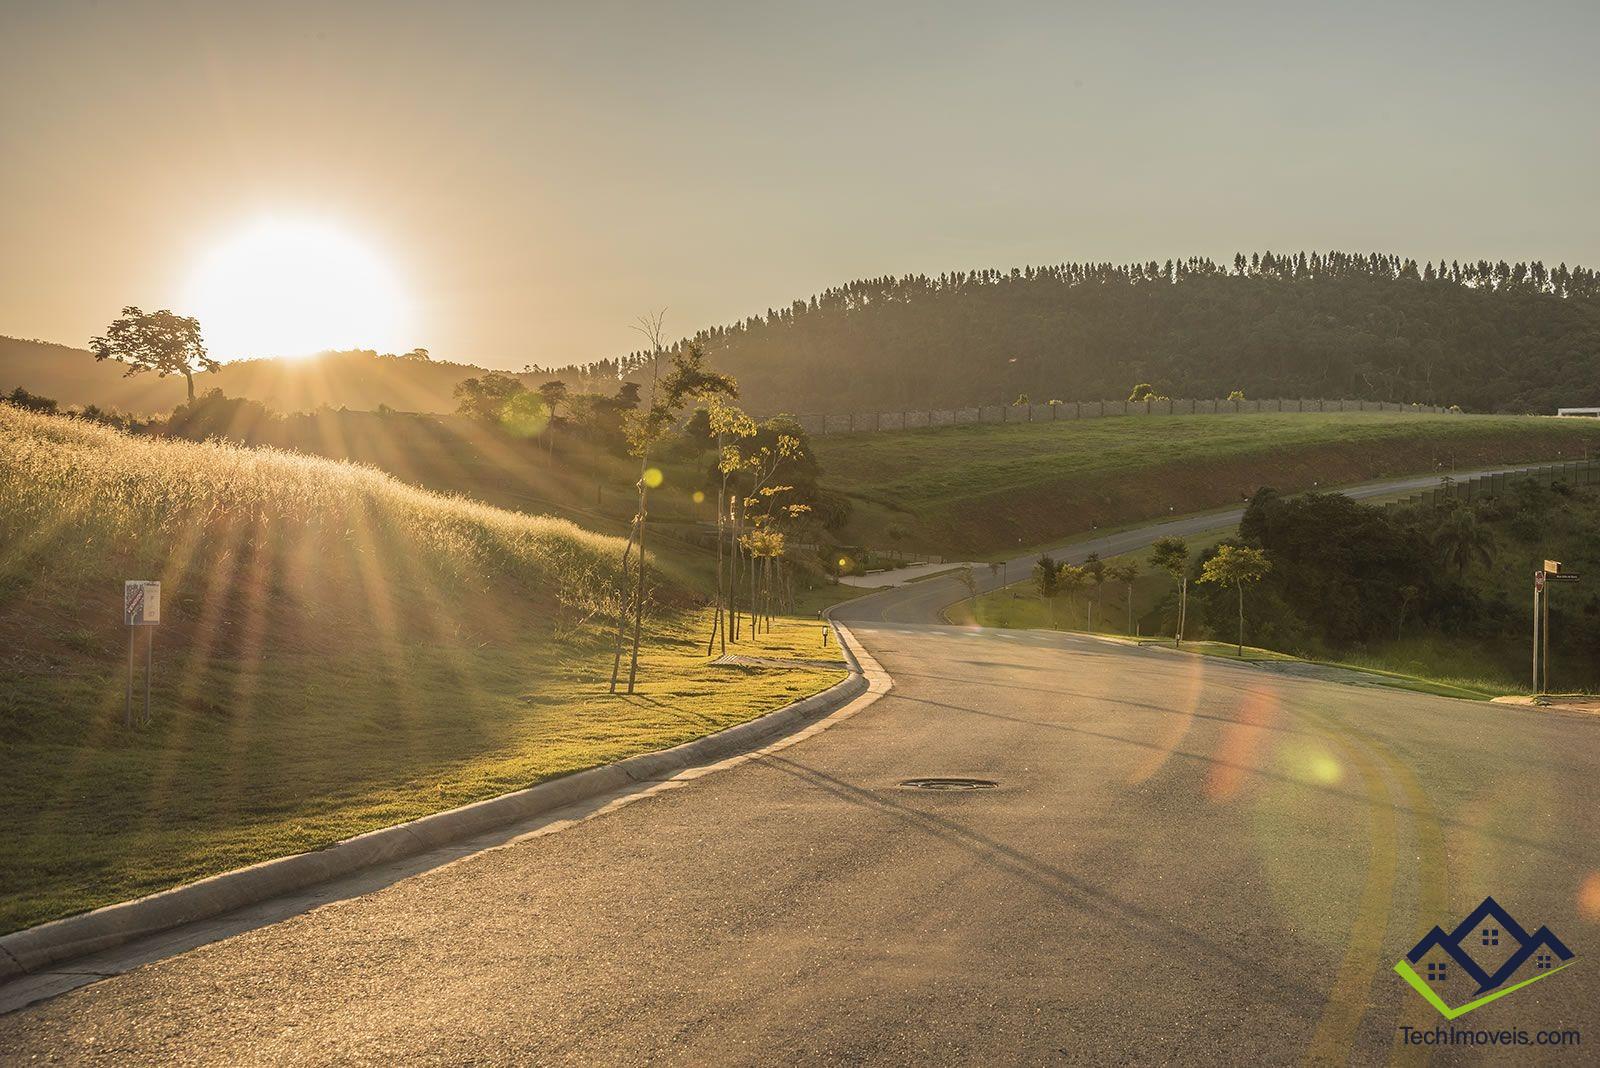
(917,418)
(1572,473)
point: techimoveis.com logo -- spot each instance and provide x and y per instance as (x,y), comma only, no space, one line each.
(1487,956)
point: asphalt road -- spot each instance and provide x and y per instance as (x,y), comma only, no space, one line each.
(1184,861)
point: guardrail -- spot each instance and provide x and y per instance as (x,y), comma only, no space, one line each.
(1066,411)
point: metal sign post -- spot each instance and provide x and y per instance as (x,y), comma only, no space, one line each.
(1541,620)
(1538,595)
(141,607)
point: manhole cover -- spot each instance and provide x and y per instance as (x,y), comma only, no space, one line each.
(949,784)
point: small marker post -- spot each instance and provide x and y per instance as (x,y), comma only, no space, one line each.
(141,607)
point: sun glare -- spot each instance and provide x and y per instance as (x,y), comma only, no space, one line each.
(293,287)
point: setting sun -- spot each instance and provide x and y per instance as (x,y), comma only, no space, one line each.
(292,287)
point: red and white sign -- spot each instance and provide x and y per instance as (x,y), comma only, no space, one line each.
(141,603)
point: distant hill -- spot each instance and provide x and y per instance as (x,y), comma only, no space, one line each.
(74,378)
(361,380)
(1492,337)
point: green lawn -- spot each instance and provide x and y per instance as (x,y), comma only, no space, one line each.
(980,490)
(248,760)
(338,652)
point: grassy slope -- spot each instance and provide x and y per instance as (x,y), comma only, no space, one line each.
(341,651)
(980,490)
(1426,665)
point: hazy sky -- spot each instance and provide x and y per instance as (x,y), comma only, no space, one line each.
(538,174)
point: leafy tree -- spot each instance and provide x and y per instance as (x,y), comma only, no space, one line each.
(485,399)
(553,393)
(33,402)
(1237,566)
(688,379)
(1070,579)
(1047,581)
(729,426)
(1237,395)
(1125,572)
(157,341)
(969,582)
(1094,574)
(1171,554)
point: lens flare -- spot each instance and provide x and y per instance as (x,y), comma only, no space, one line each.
(1238,750)
(653,477)
(525,415)
(1589,898)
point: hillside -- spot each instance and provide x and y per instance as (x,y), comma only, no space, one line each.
(983,490)
(1489,337)
(360,380)
(339,651)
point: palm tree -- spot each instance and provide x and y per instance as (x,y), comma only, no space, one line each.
(1461,540)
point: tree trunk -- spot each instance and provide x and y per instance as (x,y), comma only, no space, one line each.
(1183,608)
(622,611)
(1241,619)
(1130,610)
(188,377)
(716,611)
(638,597)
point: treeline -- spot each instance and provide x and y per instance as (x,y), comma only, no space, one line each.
(1490,336)
(1447,584)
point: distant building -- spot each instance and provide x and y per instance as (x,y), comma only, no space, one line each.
(1591,413)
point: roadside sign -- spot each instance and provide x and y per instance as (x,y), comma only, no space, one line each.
(1552,567)
(141,607)
(1538,580)
(1565,576)
(141,603)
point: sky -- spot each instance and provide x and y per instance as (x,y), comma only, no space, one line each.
(536,175)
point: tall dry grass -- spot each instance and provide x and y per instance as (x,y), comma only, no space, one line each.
(76,496)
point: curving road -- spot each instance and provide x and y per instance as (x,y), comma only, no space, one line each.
(1183,861)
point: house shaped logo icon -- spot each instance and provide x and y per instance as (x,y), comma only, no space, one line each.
(1487,956)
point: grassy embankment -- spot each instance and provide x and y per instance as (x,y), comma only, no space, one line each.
(340,652)
(980,491)
(1522,527)
(1426,665)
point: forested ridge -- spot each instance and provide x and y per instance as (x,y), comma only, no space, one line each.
(1490,336)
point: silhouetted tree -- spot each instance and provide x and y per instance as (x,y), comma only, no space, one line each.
(156,341)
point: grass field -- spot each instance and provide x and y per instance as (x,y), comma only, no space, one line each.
(981,490)
(339,652)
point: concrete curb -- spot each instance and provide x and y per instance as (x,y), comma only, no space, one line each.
(36,948)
